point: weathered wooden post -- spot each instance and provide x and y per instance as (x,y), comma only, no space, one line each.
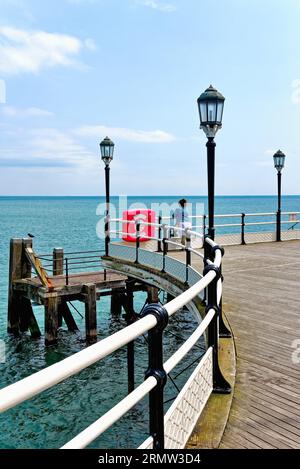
(116,302)
(19,267)
(152,295)
(58,269)
(51,318)
(58,261)
(89,291)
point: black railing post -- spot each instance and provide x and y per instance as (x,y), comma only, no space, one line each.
(224,332)
(220,384)
(138,236)
(165,246)
(156,369)
(159,249)
(204,226)
(188,255)
(207,249)
(243,229)
(67,270)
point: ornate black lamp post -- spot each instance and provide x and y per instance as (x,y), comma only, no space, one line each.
(211,104)
(279,159)
(107,153)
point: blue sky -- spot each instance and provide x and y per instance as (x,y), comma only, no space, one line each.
(77,70)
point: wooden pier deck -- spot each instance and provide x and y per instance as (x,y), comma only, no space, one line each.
(73,286)
(261,301)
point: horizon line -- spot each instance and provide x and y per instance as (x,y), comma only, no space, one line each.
(145,195)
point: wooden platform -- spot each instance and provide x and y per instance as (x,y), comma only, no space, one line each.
(261,301)
(33,288)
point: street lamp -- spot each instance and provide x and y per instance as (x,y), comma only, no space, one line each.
(107,153)
(211,104)
(279,159)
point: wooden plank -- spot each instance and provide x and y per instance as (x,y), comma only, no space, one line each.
(263,323)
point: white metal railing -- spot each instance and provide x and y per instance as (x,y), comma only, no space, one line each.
(26,388)
(243,231)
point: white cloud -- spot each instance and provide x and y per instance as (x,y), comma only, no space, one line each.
(30,51)
(46,147)
(11,111)
(157,5)
(141,136)
(52,143)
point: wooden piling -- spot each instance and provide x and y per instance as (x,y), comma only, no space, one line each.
(18,268)
(27,318)
(58,261)
(152,295)
(51,318)
(89,291)
(116,302)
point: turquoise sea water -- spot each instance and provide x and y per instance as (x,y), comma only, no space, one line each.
(51,419)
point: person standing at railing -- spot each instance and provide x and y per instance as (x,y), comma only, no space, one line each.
(182,219)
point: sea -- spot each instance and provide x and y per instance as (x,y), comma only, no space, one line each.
(57,415)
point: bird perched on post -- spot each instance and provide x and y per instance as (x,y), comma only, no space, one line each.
(30,235)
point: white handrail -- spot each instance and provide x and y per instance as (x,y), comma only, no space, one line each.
(261,223)
(290,213)
(259,214)
(228,215)
(227,224)
(109,418)
(168,241)
(20,391)
(190,294)
(189,343)
(23,390)
(290,221)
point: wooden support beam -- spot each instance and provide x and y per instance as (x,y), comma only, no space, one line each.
(51,318)
(37,266)
(116,301)
(18,269)
(89,291)
(65,313)
(152,295)
(27,318)
(58,261)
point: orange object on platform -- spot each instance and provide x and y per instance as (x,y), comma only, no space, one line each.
(142,215)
